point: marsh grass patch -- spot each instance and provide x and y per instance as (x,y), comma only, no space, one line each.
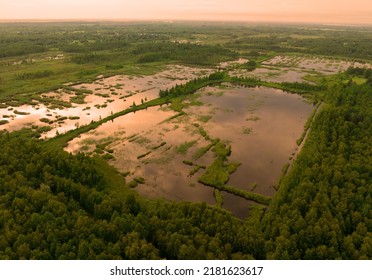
(183,148)
(253,118)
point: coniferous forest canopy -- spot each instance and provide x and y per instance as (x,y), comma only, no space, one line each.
(59,205)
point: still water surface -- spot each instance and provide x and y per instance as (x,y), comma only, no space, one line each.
(261,125)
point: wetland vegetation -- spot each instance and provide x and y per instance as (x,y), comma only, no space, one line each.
(185,141)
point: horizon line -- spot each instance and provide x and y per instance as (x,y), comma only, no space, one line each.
(51,20)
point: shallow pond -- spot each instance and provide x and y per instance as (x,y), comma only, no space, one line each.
(145,145)
(261,125)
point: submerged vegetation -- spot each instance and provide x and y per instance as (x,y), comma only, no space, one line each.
(55,205)
(183,148)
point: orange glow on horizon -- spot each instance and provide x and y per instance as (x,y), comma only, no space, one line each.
(319,11)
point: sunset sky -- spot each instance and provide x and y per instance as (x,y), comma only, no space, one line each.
(322,11)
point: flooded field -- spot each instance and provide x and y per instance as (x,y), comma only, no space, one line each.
(90,102)
(297,68)
(163,152)
(76,105)
(261,125)
(146,145)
